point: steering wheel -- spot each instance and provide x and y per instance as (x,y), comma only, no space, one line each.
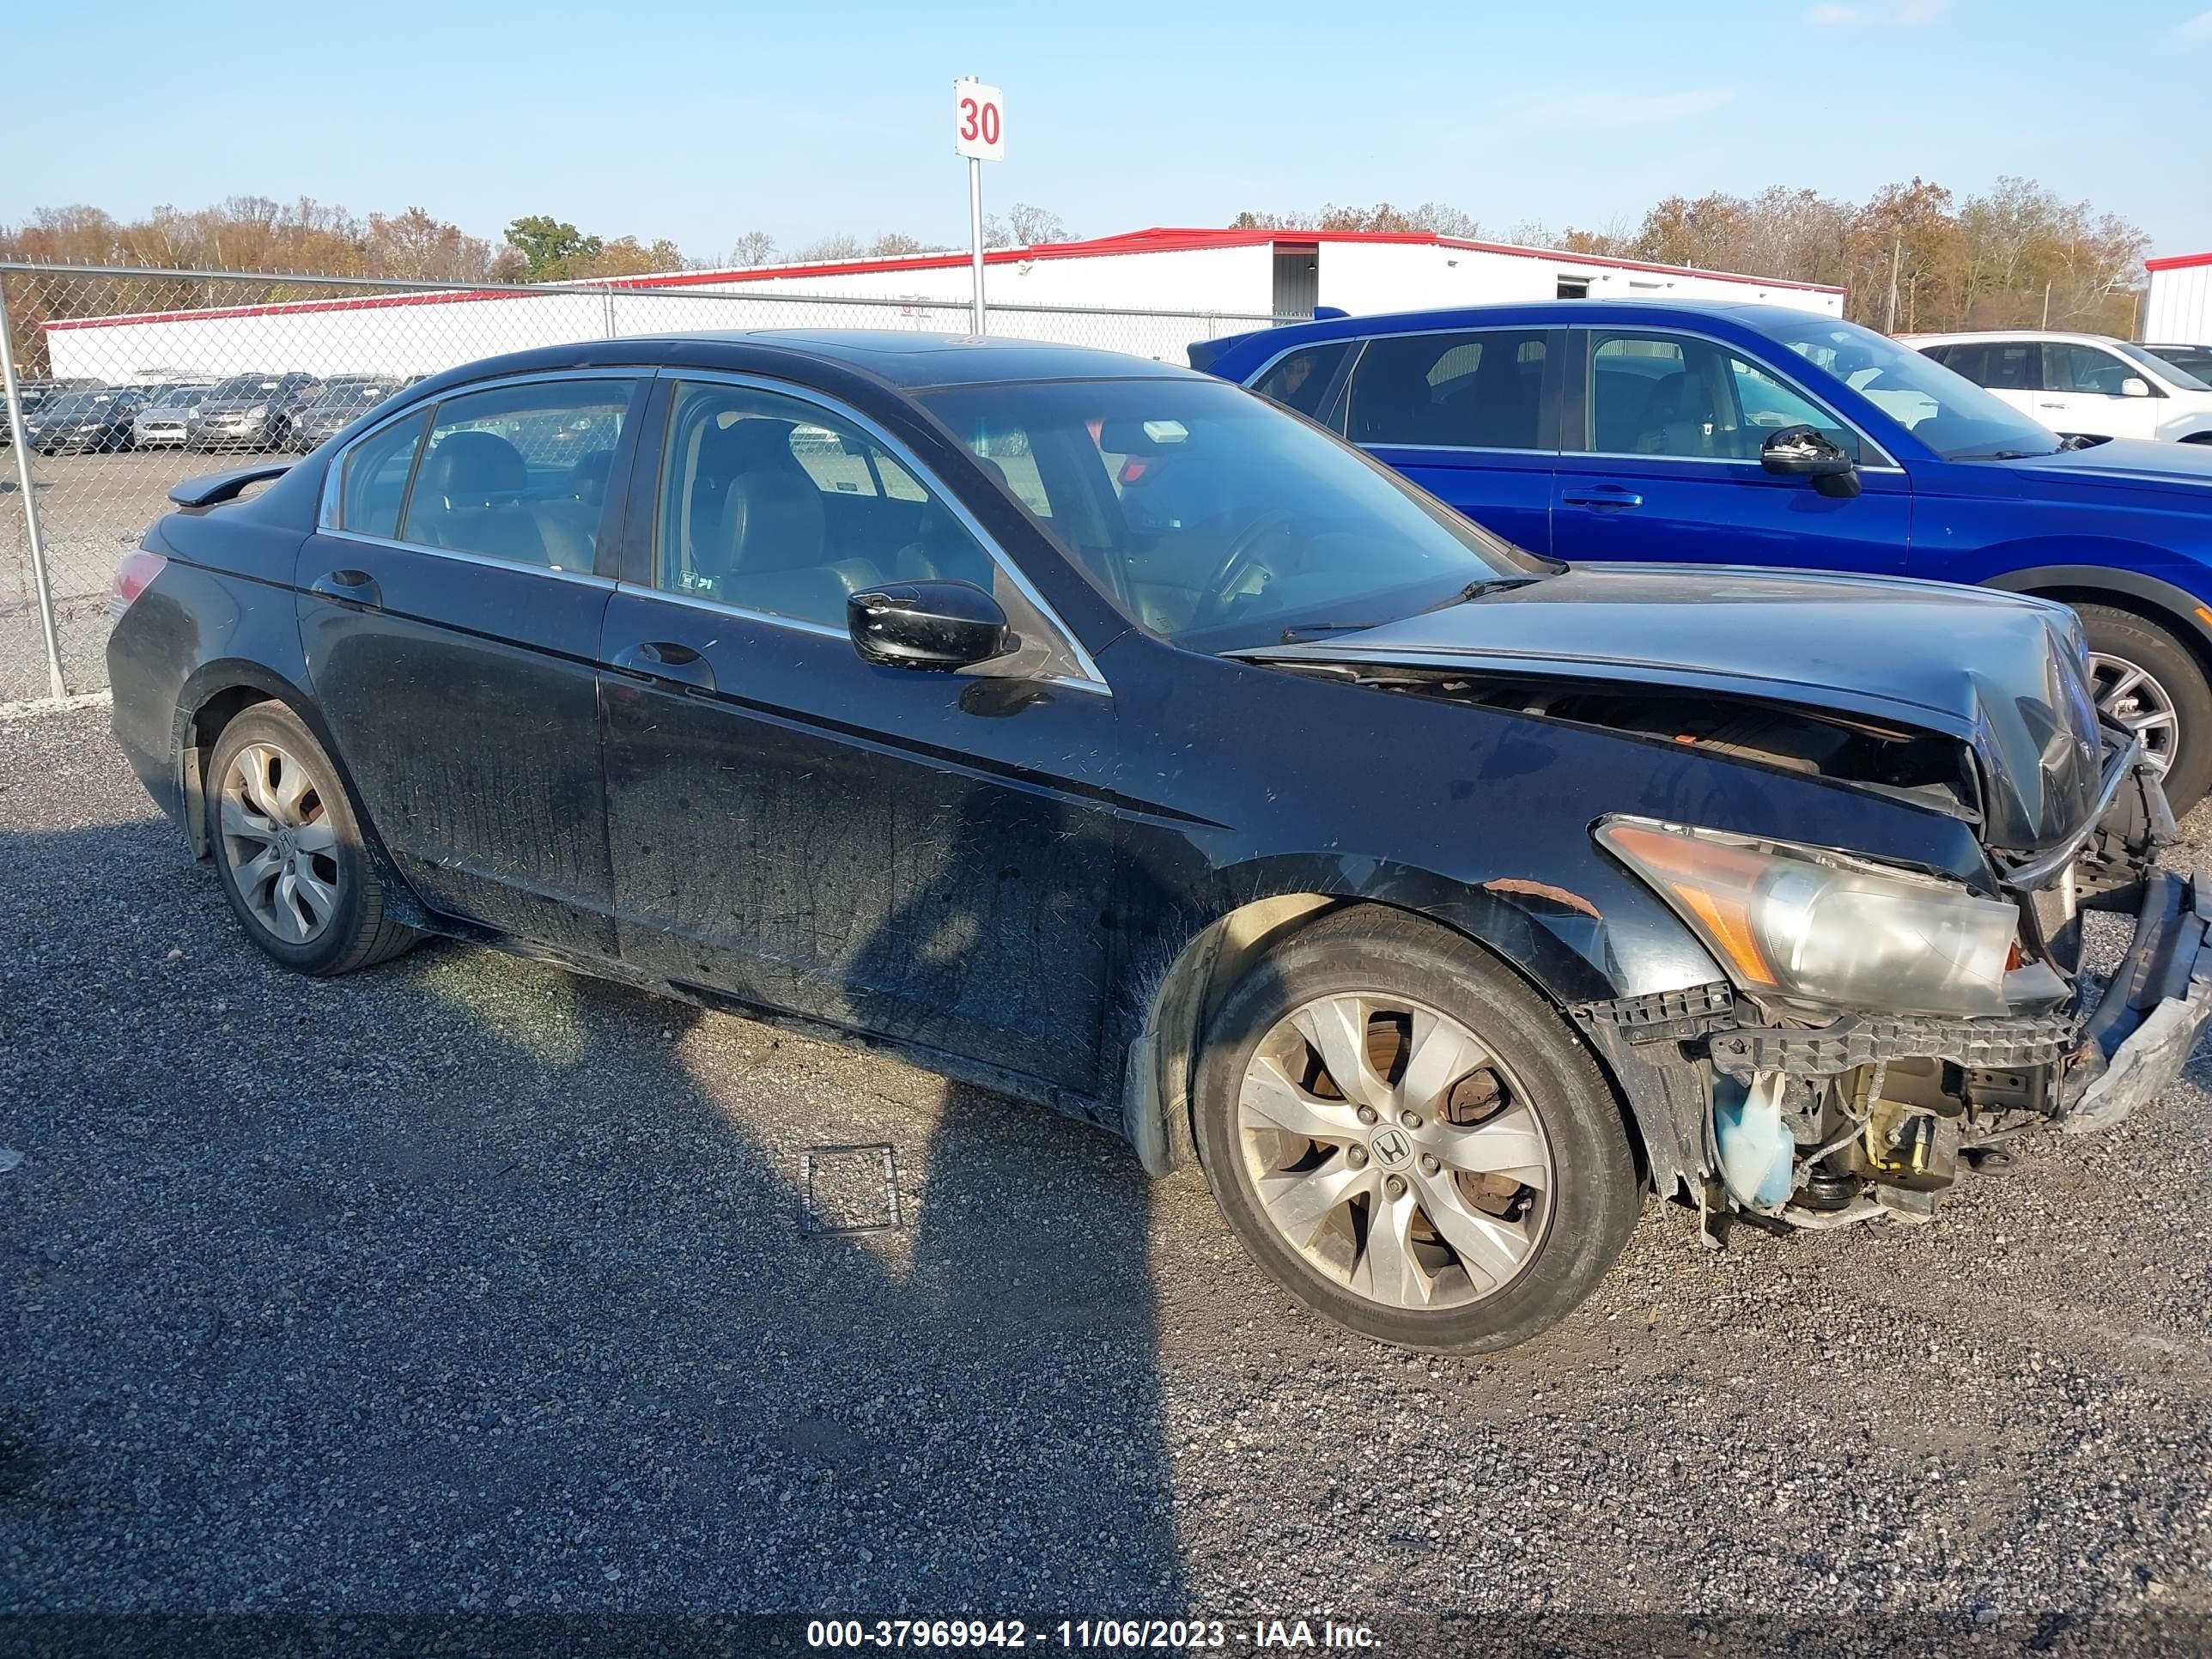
(1236,564)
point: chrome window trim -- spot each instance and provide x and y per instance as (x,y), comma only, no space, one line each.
(589,577)
(1887,463)
(326,511)
(1465,449)
(800,624)
(1091,679)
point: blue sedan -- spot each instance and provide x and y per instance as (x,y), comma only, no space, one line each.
(1753,435)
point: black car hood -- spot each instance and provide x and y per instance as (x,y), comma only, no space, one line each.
(2001,673)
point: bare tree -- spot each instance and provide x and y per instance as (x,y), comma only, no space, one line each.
(1028,225)
(754,247)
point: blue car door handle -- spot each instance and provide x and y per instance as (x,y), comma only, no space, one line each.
(665,660)
(352,587)
(1603,496)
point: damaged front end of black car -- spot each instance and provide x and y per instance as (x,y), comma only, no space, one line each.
(1876,1030)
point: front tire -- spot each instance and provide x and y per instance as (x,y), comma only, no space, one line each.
(1467,1184)
(289,851)
(2150,681)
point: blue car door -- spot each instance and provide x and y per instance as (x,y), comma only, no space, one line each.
(1471,415)
(1661,463)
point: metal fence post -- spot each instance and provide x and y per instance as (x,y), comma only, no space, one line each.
(45,598)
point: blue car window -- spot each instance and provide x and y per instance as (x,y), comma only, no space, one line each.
(1478,389)
(1654,394)
(1302,379)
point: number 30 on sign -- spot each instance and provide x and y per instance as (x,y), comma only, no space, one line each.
(979,121)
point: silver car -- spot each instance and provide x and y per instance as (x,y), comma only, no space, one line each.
(162,424)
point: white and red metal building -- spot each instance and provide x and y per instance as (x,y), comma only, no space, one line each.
(1149,292)
(2177,310)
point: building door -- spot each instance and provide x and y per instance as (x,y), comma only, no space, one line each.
(1298,278)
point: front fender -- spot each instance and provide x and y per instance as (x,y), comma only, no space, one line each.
(2188,612)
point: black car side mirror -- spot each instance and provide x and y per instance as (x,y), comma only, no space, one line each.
(1803,452)
(930,624)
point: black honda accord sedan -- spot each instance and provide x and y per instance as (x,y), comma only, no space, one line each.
(1098,732)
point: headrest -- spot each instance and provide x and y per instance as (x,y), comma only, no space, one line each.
(467,469)
(588,479)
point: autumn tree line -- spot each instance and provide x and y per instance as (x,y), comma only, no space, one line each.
(1913,256)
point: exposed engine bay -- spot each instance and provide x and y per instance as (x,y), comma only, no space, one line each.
(1917,765)
(1820,1116)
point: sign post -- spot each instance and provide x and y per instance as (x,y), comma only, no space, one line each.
(979,132)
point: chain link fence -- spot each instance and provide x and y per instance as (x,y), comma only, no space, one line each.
(121,383)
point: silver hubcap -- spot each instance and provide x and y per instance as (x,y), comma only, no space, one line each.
(2131,696)
(1393,1152)
(279,843)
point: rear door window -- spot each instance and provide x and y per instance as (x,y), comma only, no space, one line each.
(519,473)
(1477,389)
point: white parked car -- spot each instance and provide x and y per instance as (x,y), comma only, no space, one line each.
(2084,383)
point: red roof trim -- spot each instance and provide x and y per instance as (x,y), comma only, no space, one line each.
(1158,240)
(2178,262)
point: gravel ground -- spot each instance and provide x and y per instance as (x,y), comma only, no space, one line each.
(465,1286)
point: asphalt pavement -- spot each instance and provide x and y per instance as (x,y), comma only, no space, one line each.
(465,1285)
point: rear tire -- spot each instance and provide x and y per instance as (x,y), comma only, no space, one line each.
(289,851)
(1465,1192)
(2171,704)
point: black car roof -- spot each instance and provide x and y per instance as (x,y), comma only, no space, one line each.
(906,359)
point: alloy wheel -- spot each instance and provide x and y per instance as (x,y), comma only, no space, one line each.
(1395,1152)
(2131,696)
(279,843)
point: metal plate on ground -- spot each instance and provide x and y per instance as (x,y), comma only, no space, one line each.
(848,1189)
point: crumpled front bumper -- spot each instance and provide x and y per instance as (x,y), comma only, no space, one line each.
(2160,999)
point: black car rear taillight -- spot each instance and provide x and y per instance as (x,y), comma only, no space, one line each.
(134,573)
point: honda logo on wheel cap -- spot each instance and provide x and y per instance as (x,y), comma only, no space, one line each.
(1391,1148)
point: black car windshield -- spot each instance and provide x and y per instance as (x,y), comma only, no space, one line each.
(1946,411)
(241,387)
(1212,517)
(346,394)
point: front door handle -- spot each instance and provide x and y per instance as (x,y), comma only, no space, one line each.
(664,659)
(2051,405)
(1614,496)
(352,587)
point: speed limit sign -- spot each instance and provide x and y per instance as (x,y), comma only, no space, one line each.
(979,122)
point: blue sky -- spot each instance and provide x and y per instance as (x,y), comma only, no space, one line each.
(698,121)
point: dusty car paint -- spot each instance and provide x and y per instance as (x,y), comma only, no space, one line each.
(1013,879)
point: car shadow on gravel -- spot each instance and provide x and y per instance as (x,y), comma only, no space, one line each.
(469,1284)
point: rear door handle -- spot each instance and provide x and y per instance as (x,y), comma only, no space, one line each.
(1603,496)
(354,588)
(666,660)
(2051,405)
